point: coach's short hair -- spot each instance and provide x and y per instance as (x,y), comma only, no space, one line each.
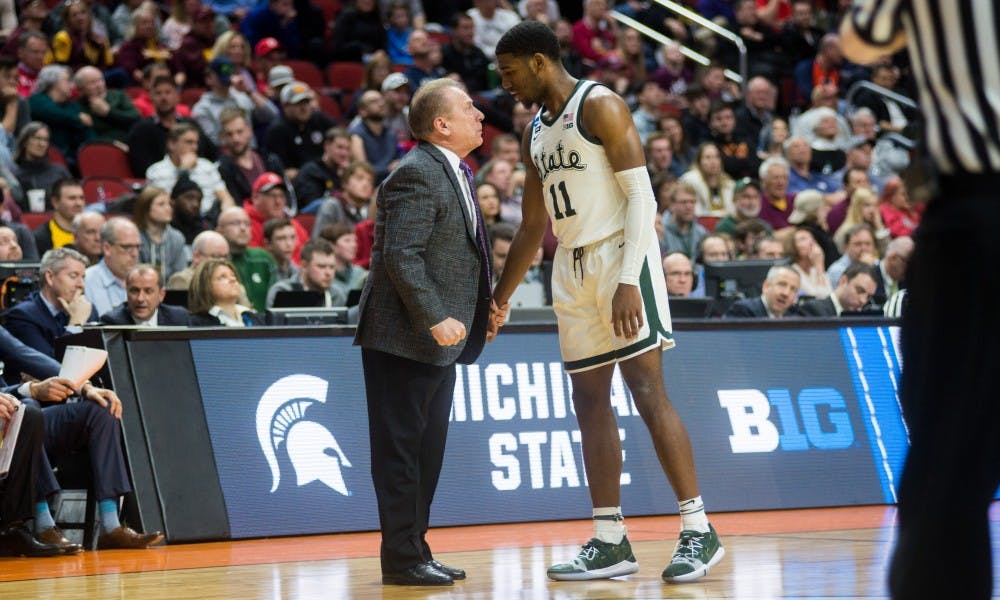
(429,103)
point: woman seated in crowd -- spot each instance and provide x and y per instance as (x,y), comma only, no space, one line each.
(34,171)
(162,245)
(213,298)
(808,261)
(713,185)
(900,217)
(142,45)
(235,47)
(51,103)
(489,202)
(864,208)
(77,45)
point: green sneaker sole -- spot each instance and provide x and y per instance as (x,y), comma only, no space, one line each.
(625,567)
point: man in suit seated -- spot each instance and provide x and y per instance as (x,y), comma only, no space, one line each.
(143,303)
(57,308)
(854,290)
(91,425)
(781,288)
(890,272)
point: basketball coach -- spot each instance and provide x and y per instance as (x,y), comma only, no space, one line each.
(425,307)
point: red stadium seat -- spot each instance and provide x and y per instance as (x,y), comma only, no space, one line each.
(191,95)
(330,8)
(345,76)
(330,106)
(103,159)
(35,220)
(443,39)
(307,73)
(56,156)
(489,134)
(102,189)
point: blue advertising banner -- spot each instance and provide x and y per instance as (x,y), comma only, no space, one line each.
(777,418)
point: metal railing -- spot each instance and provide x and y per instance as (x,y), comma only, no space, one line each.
(881,91)
(658,37)
(712,26)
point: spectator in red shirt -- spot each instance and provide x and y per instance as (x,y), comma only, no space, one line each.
(594,35)
(269,201)
(900,217)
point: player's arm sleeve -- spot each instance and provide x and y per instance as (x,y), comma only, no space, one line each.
(639,214)
(876,22)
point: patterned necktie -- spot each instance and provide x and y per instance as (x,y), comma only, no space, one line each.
(480,226)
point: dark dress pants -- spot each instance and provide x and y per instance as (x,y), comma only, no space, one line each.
(84,426)
(951,402)
(409,403)
(17,490)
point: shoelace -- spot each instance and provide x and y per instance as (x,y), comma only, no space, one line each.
(688,548)
(589,551)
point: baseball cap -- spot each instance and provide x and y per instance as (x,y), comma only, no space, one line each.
(394,81)
(280,75)
(267,182)
(807,203)
(224,68)
(296,92)
(742,184)
(184,184)
(266,46)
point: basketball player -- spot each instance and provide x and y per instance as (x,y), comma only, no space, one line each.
(608,291)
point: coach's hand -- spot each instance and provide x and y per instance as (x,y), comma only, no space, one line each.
(448,332)
(626,311)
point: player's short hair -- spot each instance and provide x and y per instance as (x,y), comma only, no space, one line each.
(528,38)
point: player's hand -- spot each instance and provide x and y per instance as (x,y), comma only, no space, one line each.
(53,389)
(448,332)
(626,311)
(498,316)
(103,397)
(8,404)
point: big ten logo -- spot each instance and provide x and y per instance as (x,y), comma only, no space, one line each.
(553,459)
(818,419)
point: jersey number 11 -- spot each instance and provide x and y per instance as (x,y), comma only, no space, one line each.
(565,198)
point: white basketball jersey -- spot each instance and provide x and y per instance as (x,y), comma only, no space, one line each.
(579,188)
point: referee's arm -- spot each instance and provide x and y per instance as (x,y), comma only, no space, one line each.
(858,45)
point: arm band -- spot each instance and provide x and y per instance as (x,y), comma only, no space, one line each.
(639,215)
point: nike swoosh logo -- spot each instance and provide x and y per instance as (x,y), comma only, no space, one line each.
(621,245)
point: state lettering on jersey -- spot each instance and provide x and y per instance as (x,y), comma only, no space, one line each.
(550,162)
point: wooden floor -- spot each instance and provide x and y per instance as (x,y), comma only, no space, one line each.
(822,553)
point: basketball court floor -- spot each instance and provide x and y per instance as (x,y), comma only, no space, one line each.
(817,553)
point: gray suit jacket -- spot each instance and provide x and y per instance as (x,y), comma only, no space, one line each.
(425,265)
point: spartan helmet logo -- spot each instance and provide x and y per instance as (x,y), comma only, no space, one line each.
(314,452)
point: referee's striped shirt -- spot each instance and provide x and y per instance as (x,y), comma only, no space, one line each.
(954,48)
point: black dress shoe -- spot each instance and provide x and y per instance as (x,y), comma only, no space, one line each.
(422,574)
(449,571)
(16,540)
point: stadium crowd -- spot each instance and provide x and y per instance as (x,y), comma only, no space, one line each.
(232,149)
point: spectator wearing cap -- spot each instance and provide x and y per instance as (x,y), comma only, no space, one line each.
(746,207)
(297,137)
(277,78)
(268,54)
(270,201)
(396,91)
(426,64)
(186,198)
(371,141)
(228,88)
(147,139)
(464,57)
(112,111)
(319,179)
(275,19)
(240,165)
(190,58)
(182,158)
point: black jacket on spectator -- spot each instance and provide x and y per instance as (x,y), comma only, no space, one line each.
(147,142)
(471,64)
(314,180)
(237,183)
(356,34)
(818,308)
(294,145)
(166,316)
(39,175)
(754,308)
